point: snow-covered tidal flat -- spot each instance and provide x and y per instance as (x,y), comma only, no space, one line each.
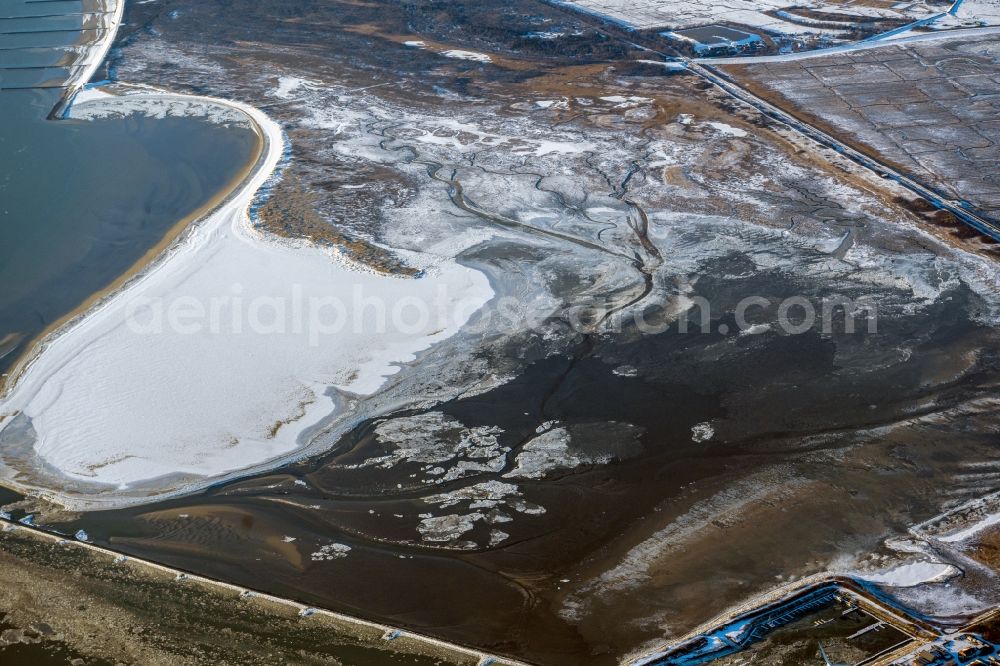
(226,353)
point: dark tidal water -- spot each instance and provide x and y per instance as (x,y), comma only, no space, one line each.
(82,201)
(839,410)
(775,400)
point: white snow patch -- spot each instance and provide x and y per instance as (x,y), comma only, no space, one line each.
(466,55)
(497,536)
(545,453)
(331,551)
(912,573)
(99,107)
(91,94)
(288,85)
(728,130)
(756,329)
(448,449)
(447,528)
(486,495)
(242,331)
(702,432)
(630,100)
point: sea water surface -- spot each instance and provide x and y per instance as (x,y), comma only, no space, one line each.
(81,201)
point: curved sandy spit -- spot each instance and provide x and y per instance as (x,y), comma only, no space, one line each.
(100,52)
(153,254)
(112,411)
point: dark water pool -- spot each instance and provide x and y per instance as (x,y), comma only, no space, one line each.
(83,201)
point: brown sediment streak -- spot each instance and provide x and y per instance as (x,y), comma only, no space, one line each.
(172,235)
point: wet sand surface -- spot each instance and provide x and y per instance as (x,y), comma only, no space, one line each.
(776,491)
(691,470)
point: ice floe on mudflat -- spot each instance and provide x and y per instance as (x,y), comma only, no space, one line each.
(489,502)
(448,528)
(94,106)
(330,551)
(446,449)
(702,432)
(544,453)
